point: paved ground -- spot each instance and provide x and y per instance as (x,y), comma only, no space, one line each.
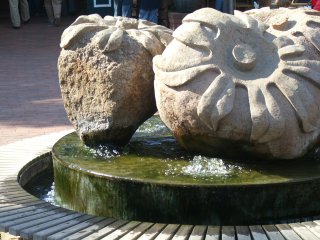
(30,100)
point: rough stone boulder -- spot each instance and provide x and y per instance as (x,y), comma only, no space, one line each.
(243,83)
(106,76)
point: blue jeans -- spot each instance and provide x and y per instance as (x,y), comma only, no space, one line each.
(219,5)
(122,8)
(150,15)
(149,10)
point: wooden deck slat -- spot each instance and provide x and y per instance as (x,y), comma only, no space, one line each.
(153,231)
(121,231)
(5,207)
(10,217)
(15,200)
(28,232)
(183,232)
(18,202)
(71,230)
(272,232)
(11,190)
(168,232)
(106,230)
(213,233)
(10,184)
(16,228)
(4,226)
(8,178)
(313,227)
(287,232)
(138,231)
(243,233)
(91,229)
(198,232)
(303,231)
(8,208)
(257,232)
(15,195)
(12,220)
(42,235)
(228,233)
(20,215)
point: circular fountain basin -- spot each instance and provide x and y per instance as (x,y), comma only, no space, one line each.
(154,179)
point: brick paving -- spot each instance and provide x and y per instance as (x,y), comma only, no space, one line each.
(30,100)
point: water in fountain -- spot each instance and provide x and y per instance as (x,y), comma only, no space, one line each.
(154,179)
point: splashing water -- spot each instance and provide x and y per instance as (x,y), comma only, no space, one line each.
(202,166)
(104,151)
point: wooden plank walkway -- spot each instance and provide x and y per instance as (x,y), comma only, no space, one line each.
(23,215)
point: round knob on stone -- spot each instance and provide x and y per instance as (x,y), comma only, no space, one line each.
(244,57)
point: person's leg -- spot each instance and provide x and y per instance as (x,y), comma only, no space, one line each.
(56,6)
(116,8)
(219,5)
(14,13)
(49,10)
(150,15)
(127,8)
(149,10)
(24,9)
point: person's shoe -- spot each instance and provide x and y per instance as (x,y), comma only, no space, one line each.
(57,22)
(26,22)
(16,27)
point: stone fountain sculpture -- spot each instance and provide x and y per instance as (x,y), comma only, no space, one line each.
(243,83)
(106,76)
(248,82)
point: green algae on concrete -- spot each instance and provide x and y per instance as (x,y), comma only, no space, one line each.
(154,179)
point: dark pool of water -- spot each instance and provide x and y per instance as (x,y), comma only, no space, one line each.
(42,186)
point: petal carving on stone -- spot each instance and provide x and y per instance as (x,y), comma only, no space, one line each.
(101,38)
(74,33)
(302,102)
(163,34)
(208,16)
(291,51)
(114,41)
(282,41)
(275,118)
(259,112)
(195,34)
(313,33)
(251,22)
(309,69)
(110,20)
(92,18)
(178,78)
(148,40)
(217,101)
(314,38)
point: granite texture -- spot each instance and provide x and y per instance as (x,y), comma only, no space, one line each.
(106,76)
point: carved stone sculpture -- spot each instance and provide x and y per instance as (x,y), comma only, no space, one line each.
(243,82)
(106,76)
